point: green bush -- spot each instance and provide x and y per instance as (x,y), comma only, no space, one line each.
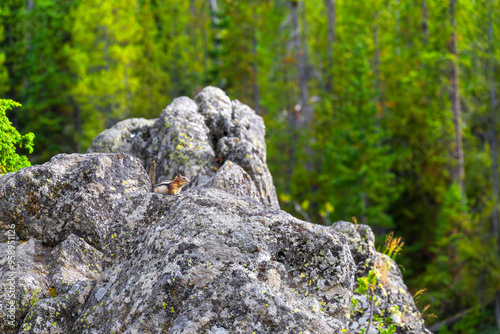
(10,139)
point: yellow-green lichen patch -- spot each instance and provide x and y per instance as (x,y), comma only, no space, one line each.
(52,292)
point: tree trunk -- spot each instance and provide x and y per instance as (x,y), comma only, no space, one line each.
(29,5)
(425,23)
(77,125)
(364,201)
(213,11)
(27,46)
(192,7)
(204,40)
(493,148)
(304,69)
(302,117)
(493,134)
(255,70)
(212,5)
(458,171)
(376,62)
(332,22)
(216,64)
(497,308)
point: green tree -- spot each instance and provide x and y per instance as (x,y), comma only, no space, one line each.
(10,140)
(104,49)
(355,159)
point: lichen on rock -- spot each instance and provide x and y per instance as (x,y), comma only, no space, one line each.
(214,260)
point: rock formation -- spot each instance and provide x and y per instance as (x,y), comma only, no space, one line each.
(195,138)
(97,252)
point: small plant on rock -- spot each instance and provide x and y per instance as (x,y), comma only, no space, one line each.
(392,248)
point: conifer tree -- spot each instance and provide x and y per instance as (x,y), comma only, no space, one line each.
(10,140)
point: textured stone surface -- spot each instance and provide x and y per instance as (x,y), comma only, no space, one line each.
(233,179)
(72,193)
(214,261)
(42,272)
(129,136)
(181,144)
(195,138)
(49,206)
(24,284)
(209,260)
(392,296)
(72,261)
(57,315)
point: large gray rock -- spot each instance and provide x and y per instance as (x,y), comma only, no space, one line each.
(72,193)
(209,260)
(393,300)
(48,208)
(195,138)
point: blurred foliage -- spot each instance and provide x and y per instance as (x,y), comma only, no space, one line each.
(379,145)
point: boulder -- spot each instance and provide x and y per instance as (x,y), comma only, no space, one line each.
(72,193)
(209,260)
(55,218)
(129,136)
(40,273)
(195,138)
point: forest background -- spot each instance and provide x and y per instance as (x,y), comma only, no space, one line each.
(383,110)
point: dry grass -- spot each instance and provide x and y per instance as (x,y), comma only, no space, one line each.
(392,248)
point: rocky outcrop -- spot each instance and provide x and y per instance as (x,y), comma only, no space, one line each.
(88,248)
(195,138)
(209,260)
(59,213)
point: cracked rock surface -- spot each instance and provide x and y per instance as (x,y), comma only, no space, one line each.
(72,193)
(44,282)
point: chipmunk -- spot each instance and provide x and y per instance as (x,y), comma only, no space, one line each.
(168,187)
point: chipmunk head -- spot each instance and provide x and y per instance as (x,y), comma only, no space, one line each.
(182,179)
